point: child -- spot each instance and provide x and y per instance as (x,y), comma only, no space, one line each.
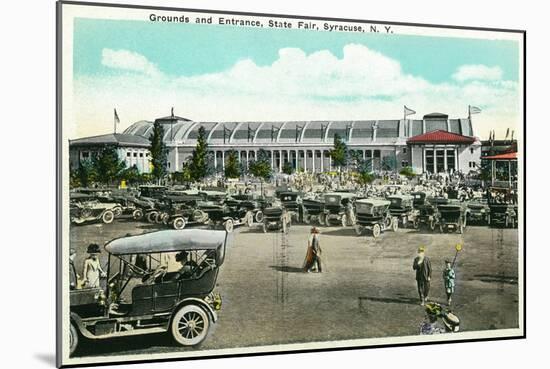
(449,281)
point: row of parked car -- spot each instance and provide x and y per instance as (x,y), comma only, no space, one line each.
(177,208)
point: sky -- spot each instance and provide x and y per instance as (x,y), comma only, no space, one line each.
(223,73)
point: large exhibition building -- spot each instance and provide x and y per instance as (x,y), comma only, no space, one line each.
(432,144)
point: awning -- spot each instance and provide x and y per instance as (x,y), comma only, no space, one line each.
(505,156)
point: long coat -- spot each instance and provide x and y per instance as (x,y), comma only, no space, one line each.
(424,270)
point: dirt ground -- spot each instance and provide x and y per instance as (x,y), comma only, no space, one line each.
(367,288)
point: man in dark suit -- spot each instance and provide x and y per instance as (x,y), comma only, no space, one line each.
(423,268)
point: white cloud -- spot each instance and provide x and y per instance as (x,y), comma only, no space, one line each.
(363,84)
(477,72)
(128,60)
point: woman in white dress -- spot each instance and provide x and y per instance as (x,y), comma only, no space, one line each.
(92,267)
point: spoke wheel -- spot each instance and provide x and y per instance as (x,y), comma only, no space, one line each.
(179,223)
(137,214)
(376,230)
(108,217)
(190,325)
(259,217)
(152,216)
(394,224)
(228,225)
(73,339)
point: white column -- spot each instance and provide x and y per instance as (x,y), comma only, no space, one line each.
(445,158)
(305,160)
(223,159)
(435,159)
(456,159)
(424,168)
(296,162)
(216,159)
(280,161)
(272,160)
(314,157)
(247,159)
(329,162)
(322,160)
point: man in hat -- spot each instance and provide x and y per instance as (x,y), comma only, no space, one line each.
(313,255)
(423,268)
(92,267)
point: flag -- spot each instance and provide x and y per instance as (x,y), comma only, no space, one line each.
(172,113)
(474,110)
(408,111)
(507,133)
(117,119)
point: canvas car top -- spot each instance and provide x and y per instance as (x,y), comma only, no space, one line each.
(167,241)
(374,202)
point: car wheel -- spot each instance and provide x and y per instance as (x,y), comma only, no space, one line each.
(394,224)
(358,230)
(152,216)
(259,217)
(190,325)
(137,214)
(344,220)
(322,219)
(228,225)
(117,211)
(376,229)
(404,222)
(416,224)
(107,216)
(73,339)
(264,227)
(441,228)
(507,222)
(307,219)
(159,217)
(179,223)
(249,219)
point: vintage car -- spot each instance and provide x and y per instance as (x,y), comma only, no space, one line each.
(292,202)
(450,217)
(402,208)
(374,215)
(477,211)
(225,216)
(276,217)
(503,209)
(152,191)
(339,208)
(87,208)
(156,282)
(180,211)
(427,210)
(314,209)
(250,202)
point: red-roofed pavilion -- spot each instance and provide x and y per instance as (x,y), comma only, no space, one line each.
(441,151)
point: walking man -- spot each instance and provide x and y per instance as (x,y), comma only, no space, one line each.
(423,268)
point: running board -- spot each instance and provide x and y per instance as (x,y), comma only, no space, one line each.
(133,332)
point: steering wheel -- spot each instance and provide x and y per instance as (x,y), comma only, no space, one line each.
(154,274)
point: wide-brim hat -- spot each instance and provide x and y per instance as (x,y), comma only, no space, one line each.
(93,248)
(421,249)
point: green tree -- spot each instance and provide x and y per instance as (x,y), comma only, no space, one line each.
(261,167)
(339,154)
(389,163)
(407,172)
(288,168)
(159,152)
(83,175)
(200,162)
(130,175)
(365,176)
(232,167)
(107,165)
